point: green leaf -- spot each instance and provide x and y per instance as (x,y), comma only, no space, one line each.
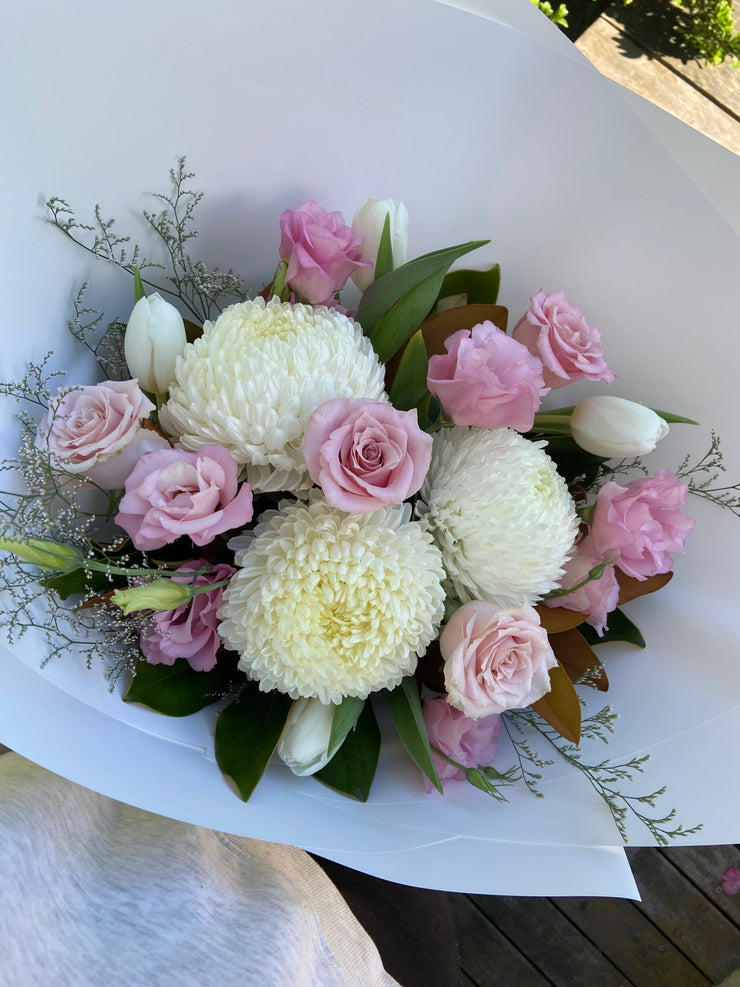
(77,581)
(139,292)
(345,718)
(178,690)
(384,262)
(405,707)
(621,628)
(573,463)
(481,287)
(672,419)
(409,388)
(247,733)
(352,769)
(397,325)
(385,291)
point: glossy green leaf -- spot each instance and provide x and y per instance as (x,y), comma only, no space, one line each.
(409,388)
(385,291)
(481,287)
(672,419)
(352,769)
(399,323)
(405,706)
(621,628)
(178,690)
(345,718)
(384,261)
(247,733)
(78,581)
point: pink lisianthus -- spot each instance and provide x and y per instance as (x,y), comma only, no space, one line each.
(472,743)
(96,431)
(321,250)
(642,523)
(731,881)
(171,493)
(189,631)
(567,345)
(598,597)
(495,658)
(487,379)
(365,454)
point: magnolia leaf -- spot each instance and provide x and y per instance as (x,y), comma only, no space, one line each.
(397,325)
(386,291)
(555,620)
(178,690)
(384,261)
(631,588)
(578,659)
(621,628)
(352,769)
(405,706)
(247,733)
(345,718)
(409,388)
(77,581)
(560,706)
(479,286)
(192,330)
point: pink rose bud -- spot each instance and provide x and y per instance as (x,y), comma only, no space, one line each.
(321,250)
(191,630)
(96,432)
(496,658)
(642,523)
(472,743)
(368,223)
(487,379)
(567,345)
(365,454)
(598,597)
(172,493)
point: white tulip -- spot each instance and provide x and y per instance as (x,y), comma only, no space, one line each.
(155,337)
(614,427)
(305,738)
(368,222)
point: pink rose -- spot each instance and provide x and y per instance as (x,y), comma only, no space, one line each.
(731,881)
(365,454)
(642,523)
(97,432)
(567,345)
(321,250)
(487,379)
(472,743)
(172,493)
(598,597)
(495,658)
(190,631)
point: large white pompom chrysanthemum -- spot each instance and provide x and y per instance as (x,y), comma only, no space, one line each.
(256,375)
(500,514)
(328,604)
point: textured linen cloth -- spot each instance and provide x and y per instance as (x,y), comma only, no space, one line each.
(95,893)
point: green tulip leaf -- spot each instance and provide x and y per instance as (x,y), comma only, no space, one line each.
(384,261)
(178,690)
(405,707)
(672,419)
(621,628)
(352,769)
(139,292)
(247,733)
(345,718)
(481,287)
(409,388)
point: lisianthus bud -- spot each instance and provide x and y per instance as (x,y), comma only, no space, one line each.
(155,337)
(368,223)
(305,739)
(46,554)
(160,594)
(614,427)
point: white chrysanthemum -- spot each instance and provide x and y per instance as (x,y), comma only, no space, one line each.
(500,514)
(328,604)
(253,379)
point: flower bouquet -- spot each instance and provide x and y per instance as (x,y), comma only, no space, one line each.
(297,512)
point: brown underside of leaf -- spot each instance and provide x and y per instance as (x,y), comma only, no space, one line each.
(192,330)
(430,669)
(577,657)
(555,620)
(630,588)
(560,707)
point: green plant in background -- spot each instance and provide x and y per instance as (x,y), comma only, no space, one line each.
(711,31)
(557,16)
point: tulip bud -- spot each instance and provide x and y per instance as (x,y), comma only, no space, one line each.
(49,555)
(155,336)
(160,594)
(368,222)
(613,427)
(305,739)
